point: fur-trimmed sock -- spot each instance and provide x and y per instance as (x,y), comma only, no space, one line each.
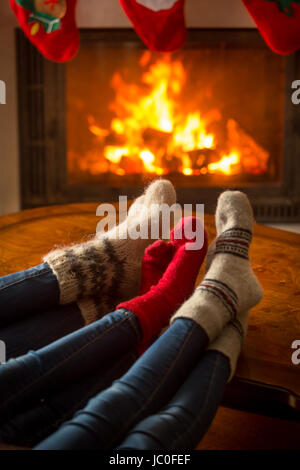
(231,340)
(154,308)
(108,267)
(229,286)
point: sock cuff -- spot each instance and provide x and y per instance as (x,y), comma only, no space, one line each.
(207,310)
(89,310)
(230,341)
(91,268)
(234,241)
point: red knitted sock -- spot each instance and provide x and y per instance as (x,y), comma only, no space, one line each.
(155,261)
(50,25)
(154,308)
(159,23)
(278,22)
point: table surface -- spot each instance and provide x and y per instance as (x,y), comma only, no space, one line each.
(274,324)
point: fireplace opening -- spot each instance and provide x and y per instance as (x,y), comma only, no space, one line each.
(198,116)
(202,116)
(217,114)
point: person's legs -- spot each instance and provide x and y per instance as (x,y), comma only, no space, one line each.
(184,421)
(40,329)
(24,379)
(27,292)
(143,390)
(51,410)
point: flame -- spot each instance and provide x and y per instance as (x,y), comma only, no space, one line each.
(225,165)
(153,132)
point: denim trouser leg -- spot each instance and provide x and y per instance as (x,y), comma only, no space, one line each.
(40,329)
(30,314)
(184,421)
(37,374)
(36,423)
(27,292)
(148,386)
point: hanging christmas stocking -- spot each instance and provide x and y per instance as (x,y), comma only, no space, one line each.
(159,23)
(278,22)
(50,25)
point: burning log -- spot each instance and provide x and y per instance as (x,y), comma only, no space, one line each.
(255,158)
(115,140)
(202,157)
(156,139)
(172,163)
(130,165)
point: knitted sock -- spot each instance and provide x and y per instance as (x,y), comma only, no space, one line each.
(50,25)
(229,286)
(231,340)
(154,308)
(108,267)
(155,261)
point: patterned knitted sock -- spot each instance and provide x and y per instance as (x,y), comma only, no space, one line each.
(229,286)
(154,308)
(231,340)
(108,267)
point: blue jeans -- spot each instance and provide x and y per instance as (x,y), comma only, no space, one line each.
(30,314)
(42,389)
(165,401)
(169,384)
(182,423)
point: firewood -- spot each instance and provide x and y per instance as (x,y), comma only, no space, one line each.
(131,165)
(155,138)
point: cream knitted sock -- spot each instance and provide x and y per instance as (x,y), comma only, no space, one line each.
(230,286)
(231,340)
(106,270)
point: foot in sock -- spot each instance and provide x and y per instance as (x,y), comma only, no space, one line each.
(108,267)
(155,262)
(230,286)
(230,341)
(154,308)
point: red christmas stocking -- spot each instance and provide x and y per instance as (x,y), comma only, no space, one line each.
(159,23)
(50,25)
(278,22)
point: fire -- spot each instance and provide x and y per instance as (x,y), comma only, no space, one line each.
(225,165)
(153,132)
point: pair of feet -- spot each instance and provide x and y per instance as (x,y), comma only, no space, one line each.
(221,303)
(109,269)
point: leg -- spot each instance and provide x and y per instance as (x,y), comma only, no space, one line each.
(144,389)
(54,367)
(184,421)
(40,329)
(50,411)
(27,292)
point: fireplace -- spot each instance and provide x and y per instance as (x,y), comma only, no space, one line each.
(217,114)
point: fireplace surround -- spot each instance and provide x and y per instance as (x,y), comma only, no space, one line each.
(45,120)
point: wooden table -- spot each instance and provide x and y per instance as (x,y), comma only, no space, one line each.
(266,361)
